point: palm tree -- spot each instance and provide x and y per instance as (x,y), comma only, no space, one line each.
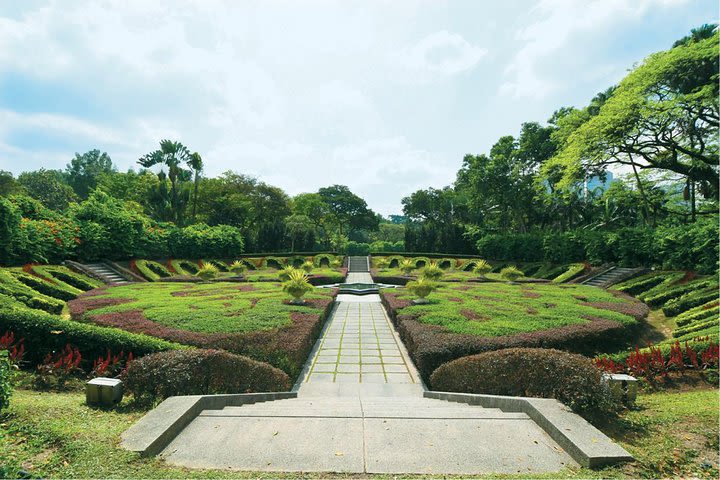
(196,164)
(172,154)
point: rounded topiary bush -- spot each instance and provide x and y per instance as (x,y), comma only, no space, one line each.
(200,372)
(529,372)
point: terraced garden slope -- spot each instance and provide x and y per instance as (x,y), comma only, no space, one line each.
(475,317)
(250,319)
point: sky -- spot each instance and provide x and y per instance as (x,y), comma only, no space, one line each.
(385,97)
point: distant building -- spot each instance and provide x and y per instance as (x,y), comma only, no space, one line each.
(596,185)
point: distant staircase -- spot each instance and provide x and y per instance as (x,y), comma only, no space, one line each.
(106,272)
(358,264)
(611,276)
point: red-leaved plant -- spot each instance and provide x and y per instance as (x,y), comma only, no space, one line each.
(111,365)
(61,366)
(16,349)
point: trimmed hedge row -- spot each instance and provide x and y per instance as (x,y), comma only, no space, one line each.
(430,346)
(152,271)
(200,372)
(184,267)
(707,310)
(574,270)
(690,300)
(14,288)
(66,277)
(46,288)
(529,372)
(46,333)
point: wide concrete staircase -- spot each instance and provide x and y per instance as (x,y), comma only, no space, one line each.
(612,276)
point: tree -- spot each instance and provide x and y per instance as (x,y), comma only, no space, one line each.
(663,116)
(299,228)
(173,155)
(8,184)
(196,165)
(84,171)
(49,187)
(346,210)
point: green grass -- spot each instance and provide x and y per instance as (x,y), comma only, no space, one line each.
(504,309)
(670,434)
(208,307)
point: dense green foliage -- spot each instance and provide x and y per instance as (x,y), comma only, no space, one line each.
(5,379)
(544,195)
(529,372)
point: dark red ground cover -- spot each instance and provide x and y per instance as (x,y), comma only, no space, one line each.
(431,345)
(286,348)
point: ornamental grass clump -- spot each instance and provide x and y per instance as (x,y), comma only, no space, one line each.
(382,263)
(284,274)
(297,285)
(237,267)
(407,266)
(511,274)
(421,288)
(307,266)
(207,272)
(482,268)
(432,271)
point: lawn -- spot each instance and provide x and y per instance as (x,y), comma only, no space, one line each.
(670,434)
(198,307)
(496,309)
(249,319)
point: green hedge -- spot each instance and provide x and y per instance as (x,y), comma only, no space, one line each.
(659,298)
(12,287)
(700,312)
(690,300)
(184,267)
(151,270)
(572,271)
(66,277)
(44,333)
(55,290)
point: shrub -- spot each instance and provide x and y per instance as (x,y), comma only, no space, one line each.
(207,272)
(275,262)
(690,300)
(47,288)
(573,271)
(641,284)
(238,267)
(184,267)
(12,287)
(420,262)
(307,266)
(482,268)
(200,372)
(707,310)
(66,278)
(529,372)
(511,273)
(284,274)
(432,271)
(667,294)
(297,285)
(152,271)
(45,333)
(357,248)
(407,266)
(422,287)
(6,373)
(323,260)
(201,240)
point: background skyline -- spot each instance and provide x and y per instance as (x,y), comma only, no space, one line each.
(385,97)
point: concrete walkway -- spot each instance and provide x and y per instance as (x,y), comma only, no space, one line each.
(360,409)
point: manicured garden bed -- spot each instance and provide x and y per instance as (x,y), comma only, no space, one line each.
(475,317)
(255,320)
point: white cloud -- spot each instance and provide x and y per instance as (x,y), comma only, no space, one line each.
(558,24)
(441,53)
